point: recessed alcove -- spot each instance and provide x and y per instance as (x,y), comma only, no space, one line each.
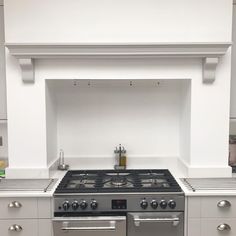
(88,118)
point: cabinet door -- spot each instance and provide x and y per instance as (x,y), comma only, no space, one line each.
(194,207)
(218,207)
(44,208)
(26,208)
(44,227)
(3,112)
(19,227)
(194,227)
(88,226)
(218,227)
(156,224)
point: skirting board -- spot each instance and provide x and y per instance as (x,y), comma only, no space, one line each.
(205,171)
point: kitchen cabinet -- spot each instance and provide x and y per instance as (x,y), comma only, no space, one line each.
(25,227)
(3,109)
(25,216)
(213,216)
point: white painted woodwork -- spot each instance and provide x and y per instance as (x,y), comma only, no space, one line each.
(204,216)
(209,207)
(27,68)
(29,227)
(34,216)
(206,207)
(209,69)
(209,226)
(45,227)
(31,208)
(118,21)
(28,209)
(194,207)
(209,52)
(44,208)
(3,106)
(233,76)
(100,23)
(194,227)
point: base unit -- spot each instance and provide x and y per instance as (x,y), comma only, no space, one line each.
(19,227)
(211,216)
(194,227)
(45,227)
(218,227)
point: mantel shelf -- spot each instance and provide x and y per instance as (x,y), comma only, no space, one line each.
(209,52)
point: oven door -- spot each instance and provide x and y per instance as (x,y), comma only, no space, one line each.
(90,226)
(156,224)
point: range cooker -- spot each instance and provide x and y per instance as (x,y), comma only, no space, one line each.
(118,203)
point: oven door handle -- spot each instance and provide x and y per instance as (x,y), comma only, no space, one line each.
(173,220)
(112,227)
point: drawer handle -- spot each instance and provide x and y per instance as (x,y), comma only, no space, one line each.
(15,228)
(175,220)
(223,204)
(15,204)
(223,227)
(111,227)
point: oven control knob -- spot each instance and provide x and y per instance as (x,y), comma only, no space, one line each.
(154,204)
(75,205)
(144,204)
(66,205)
(94,204)
(83,205)
(172,204)
(163,204)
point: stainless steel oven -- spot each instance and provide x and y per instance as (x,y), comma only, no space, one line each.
(118,203)
(155,224)
(90,226)
(137,224)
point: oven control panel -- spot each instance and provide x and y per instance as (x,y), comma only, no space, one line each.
(111,203)
(119,204)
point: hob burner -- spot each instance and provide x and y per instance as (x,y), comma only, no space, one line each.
(118,180)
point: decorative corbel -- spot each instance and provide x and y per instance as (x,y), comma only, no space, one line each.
(209,69)
(27,68)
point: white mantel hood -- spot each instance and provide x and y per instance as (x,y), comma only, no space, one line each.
(27,52)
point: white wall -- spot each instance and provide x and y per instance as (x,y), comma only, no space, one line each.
(118,21)
(233,78)
(3,103)
(96,115)
(185,122)
(51,124)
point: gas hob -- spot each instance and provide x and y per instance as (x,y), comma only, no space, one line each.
(101,181)
(103,191)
